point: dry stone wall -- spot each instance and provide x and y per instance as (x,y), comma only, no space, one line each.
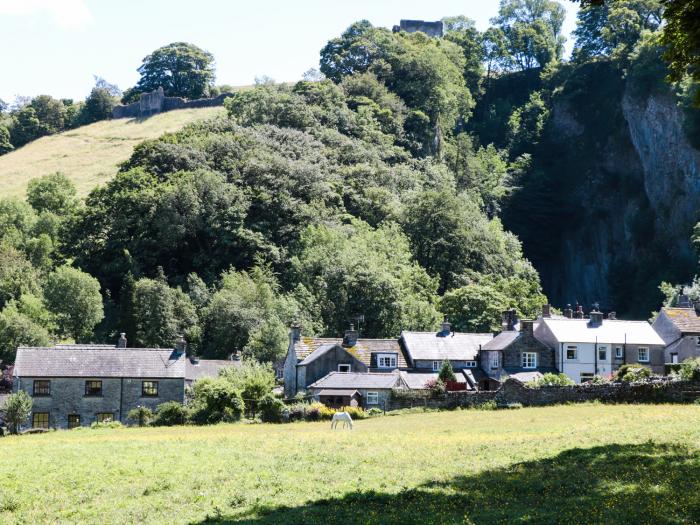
(156,102)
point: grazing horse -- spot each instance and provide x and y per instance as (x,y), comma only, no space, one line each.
(341,416)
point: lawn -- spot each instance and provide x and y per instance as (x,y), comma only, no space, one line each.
(568,464)
(89,155)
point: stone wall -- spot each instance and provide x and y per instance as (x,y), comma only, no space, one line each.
(432,29)
(156,102)
(513,391)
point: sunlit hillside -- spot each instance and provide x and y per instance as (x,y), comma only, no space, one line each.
(89,155)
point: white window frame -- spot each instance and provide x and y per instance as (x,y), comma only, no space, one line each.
(382,360)
(588,377)
(575,350)
(619,352)
(639,354)
(372,398)
(436,366)
(495,359)
(528,360)
(344,366)
(674,358)
(605,356)
(470,364)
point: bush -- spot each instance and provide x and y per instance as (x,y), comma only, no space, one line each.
(355,412)
(689,369)
(436,386)
(142,415)
(271,408)
(550,379)
(632,373)
(374,411)
(16,410)
(446,373)
(215,401)
(487,405)
(599,380)
(170,414)
(297,411)
(106,424)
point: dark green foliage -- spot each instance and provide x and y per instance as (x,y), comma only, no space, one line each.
(141,415)
(169,414)
(216,401)
(54,193)
(681,37)
(550,379)
(5,144)
(270,408)
(690,369)
(446,372)
(632,373)
(181,69)
(16,410)
(98,106)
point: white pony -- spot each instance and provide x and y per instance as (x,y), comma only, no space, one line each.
(341,416)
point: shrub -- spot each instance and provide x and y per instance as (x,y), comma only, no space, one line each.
(106,424)
(446,373)
(170,414)
(254,380)
(690,369)
(550,379)
(271,408)
(297,411)
(355,412)
(216,400)
(16,410)
(142,415)
(633,373)
(374,411)
(436,386)
(599,380)
(488,405)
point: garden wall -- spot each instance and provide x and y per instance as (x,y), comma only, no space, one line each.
(513,391)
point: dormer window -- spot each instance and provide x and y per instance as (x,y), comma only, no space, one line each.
(386,360)
(344,368)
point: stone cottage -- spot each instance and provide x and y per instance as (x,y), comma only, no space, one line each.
(309,359)
(366,390)
(679,327)
(76,385)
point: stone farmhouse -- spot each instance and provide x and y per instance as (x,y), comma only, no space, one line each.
(76,385)
(679,328)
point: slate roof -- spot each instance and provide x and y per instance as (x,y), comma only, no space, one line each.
(610,331)
(354,380)
(207,368)
(338,392)
(685,319)
(526,377)
(417,380)
(438,346)
(307,349)
(501,341)
(98,361)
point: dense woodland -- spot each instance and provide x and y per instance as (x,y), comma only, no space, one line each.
(376,189)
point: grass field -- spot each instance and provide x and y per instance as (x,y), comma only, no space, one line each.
(89,155)
(568,464)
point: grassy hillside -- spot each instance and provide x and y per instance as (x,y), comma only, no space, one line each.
(567,464)
(90,154)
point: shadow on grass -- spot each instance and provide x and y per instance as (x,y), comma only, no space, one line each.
(647,483)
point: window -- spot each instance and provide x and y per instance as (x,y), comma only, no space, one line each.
(344,368)
(93,388)
(674,358)
(571,353)
(495,360)
(40,420)
(149,389)
(436,366)
(618,352)
(42,387)
(643,355)
(73,420)
(372,398)
(470,364)
(529,359)
(386,360)
(586,377)
(602,353)
(104,417)
(697,341)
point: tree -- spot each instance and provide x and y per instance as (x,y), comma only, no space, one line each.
(16,410)
(74,297)
(142,415)
(532,31)
(54,193)
(352,52)
(19,328)
(253,379)
(5,144)
(181,69)
(26,126)
(526,124)
(98,106)
(446,373)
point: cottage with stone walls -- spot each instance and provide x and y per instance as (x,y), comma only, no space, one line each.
(679,327)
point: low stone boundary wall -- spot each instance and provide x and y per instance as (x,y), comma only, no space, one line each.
(154,103)
(513,391)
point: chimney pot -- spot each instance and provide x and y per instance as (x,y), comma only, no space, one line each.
(351,336)
(122,341)
(546,310)
(446,327)
(596,319)
(568,312)
(578,314)
(294,333)
(612,316)
(181,345)
(527,326)
(683,301)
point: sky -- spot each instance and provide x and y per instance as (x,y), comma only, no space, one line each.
(56,46)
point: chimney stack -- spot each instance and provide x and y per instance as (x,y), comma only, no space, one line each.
(294,333)
(181,345)
(446,327)
(546,310)
(527,326)
(568,312)
(122,341)
(509,319)
(612,316)
(683,301)
(596,318)
(578,314)
(351,336)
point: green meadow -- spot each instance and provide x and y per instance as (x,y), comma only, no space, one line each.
(568,464)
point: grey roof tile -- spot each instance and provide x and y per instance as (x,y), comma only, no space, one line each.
(455,346)
(354,380)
